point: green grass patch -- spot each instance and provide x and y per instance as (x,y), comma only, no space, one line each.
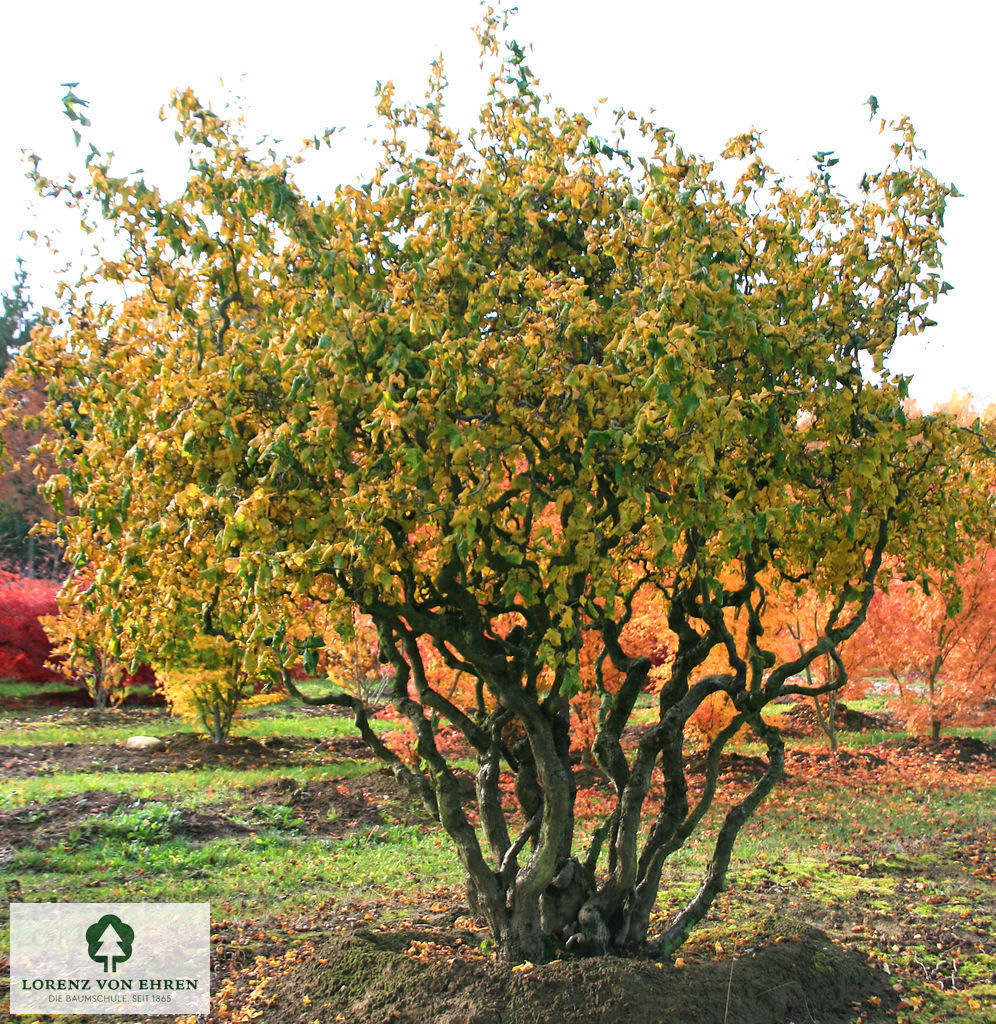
(19,688)
(315,727)
(271,721)
(273,871)
(39,733)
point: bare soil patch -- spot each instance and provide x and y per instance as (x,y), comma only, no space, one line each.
(333,808)
(182,751)
(52,823)
(73,821)
(337,807)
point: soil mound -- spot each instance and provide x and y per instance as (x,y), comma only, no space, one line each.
(367,979)
(800,719)
(966,750)
(733,767)
(803,762)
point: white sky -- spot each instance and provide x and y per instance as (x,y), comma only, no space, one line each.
(799,70)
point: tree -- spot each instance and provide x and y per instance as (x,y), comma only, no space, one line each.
(491,399)
(938,650)
(17,320)
(210,686)
(797,616)
(80,643)
(82,654)
(21,508)
(352,664)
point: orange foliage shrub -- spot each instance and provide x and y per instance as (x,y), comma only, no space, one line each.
(938,657)
(712,716)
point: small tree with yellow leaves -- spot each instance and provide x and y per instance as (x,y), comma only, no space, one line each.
(211,687)
(81,640)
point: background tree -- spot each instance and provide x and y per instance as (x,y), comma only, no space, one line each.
(81,638)
(797,620)
(351,663)
(210,687)
(490,398)
(937,650)
(80,641)
(17,320)
(21,507)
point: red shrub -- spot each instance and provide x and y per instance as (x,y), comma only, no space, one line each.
(24,647)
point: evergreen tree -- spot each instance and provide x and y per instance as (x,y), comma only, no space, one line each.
(17,320)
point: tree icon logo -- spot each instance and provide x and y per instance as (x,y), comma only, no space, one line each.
(109,942)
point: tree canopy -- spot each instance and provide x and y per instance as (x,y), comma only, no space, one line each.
(492,398)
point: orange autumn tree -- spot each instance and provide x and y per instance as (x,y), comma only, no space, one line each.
(938,650)
(644,630)
(348,656)
(795,620)
(798,615)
